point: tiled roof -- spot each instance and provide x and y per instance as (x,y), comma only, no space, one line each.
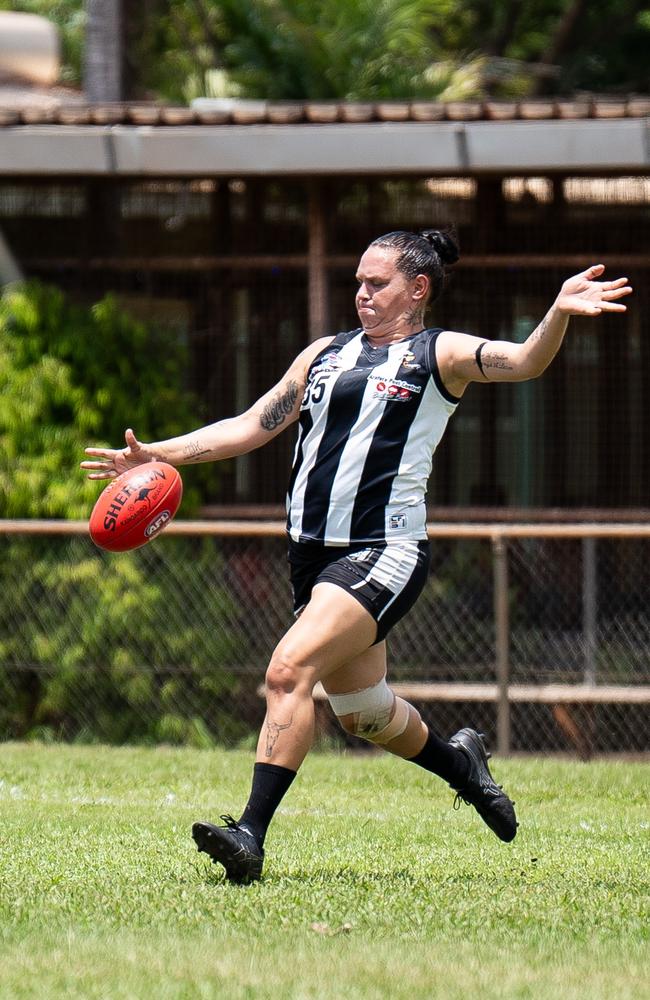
(31,108)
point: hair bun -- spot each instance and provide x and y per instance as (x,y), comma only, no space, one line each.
(444,242)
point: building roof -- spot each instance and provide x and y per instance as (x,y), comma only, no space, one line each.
(59,134)
(64,107)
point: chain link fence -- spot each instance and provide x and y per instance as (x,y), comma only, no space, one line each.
(539,636)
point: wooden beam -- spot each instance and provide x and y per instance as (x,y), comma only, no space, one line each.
(541,694)
(321,261)
(277,529)
(318,290)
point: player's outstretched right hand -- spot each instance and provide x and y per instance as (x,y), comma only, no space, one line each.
(115,461)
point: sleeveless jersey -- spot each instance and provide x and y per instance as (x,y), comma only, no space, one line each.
(370,421)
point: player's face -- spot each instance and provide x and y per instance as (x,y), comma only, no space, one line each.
(385,295)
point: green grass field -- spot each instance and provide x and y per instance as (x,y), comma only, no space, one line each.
(374,886)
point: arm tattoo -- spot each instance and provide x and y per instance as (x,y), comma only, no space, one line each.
(497,361)
(273,730)
(539,333)
(192,451)
(278,409)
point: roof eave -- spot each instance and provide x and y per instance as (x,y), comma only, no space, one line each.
(309,149)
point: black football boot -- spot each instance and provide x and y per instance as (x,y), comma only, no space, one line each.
(480,790)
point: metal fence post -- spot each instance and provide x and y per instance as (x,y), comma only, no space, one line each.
(589,608)
(502,641)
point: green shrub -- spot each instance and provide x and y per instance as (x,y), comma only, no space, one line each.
(70,376)
(112,648)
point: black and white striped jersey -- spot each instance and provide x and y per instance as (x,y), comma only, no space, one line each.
(370,421)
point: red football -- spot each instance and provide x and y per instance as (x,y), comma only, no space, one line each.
(135,506)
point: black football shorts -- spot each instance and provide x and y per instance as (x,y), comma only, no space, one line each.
(386,578)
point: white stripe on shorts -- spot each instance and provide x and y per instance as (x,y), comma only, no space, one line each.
(393,569)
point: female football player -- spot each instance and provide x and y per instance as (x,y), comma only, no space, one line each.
(371,405)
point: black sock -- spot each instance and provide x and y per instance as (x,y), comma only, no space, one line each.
(270,783)
(442,759)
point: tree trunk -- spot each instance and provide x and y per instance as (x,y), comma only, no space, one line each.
(104,58)
(562,34)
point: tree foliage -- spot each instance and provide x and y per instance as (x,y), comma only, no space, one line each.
(358,49)
(71,669)
(561,46)
(370,49)
(71,376)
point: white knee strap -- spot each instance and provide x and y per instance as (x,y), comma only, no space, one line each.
(372,707)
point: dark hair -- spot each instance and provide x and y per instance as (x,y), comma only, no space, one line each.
(427,252)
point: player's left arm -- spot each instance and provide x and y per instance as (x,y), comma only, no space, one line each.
(463,359)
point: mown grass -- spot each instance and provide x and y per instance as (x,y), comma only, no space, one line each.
(374,886)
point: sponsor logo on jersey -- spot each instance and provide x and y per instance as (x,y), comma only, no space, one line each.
(408,361)
(394,389)
(330,363)
(398,382)
(397,522)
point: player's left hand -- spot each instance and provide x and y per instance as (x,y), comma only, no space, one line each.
(584,295)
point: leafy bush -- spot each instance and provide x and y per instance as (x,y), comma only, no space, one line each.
(112,648)
(70,375)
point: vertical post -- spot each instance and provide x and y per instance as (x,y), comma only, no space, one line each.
(589,598)
(502,641)
(241,338)
(9,266)
(489,234)
(318,297)
(104,50)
